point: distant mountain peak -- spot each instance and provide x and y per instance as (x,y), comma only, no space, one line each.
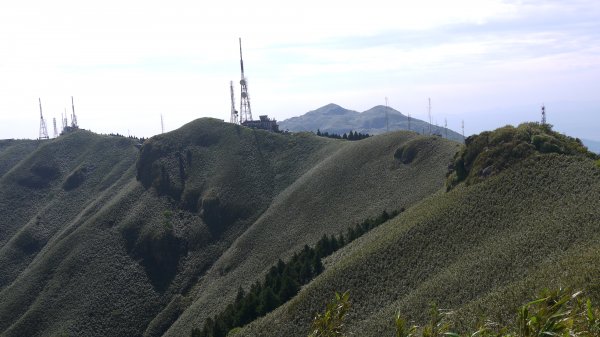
(333,118)
(331,109)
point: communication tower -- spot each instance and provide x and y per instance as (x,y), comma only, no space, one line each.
(543,115)
(245,110)
(162,125)
(55,129)
(73,117)
(446,127)
(43,130)
(409,121)
(234,113)
(463,129)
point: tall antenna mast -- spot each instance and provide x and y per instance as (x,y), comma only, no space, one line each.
(543,114)
(73,117)
(446,127)
(409,121)
(234,114)
(43,130)
(162,125)
(387,122)
(65,122)
(429,115)
(245,110)
(55,129)
(463,129)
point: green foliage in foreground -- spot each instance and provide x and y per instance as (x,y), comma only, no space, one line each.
(556,313)
(490,152)
(331,322)
(283,282)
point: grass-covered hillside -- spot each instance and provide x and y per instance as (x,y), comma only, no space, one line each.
(100,238)
(481,249)
(358,181)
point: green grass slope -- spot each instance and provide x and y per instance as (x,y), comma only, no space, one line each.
(98,238)
(12,151)
(360,180)
(481,249)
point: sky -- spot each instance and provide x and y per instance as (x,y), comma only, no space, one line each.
(126,63)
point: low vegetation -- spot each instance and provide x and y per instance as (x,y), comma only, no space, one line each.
(491,152)
(555,313)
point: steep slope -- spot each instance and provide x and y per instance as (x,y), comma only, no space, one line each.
(87,249)
(333,118)
(98,238)
(358,181)
(479,249)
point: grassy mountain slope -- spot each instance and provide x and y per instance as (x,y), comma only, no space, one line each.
(87,249)
(98,238)
(333,118)
(360,180)
(479,249)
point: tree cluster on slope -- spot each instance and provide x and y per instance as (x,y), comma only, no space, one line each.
(283,281)
(352,135)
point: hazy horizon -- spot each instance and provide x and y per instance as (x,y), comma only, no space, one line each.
(489,63)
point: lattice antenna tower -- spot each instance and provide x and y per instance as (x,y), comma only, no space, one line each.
(245,110)
(162,124)
(463,129)
(543,114)
(234,113)
(55,129)
(73,117)
(429,112)
(43,130)
(409,121)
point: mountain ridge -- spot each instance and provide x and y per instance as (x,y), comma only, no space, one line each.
(333,118)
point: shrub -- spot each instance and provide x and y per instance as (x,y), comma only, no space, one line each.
(555,313)
(491,152)
(331,322)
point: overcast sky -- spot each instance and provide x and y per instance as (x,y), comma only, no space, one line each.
(489,62)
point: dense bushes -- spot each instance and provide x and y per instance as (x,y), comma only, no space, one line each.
(283,281)
(493,151)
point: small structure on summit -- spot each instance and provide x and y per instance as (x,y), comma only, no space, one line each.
(244,116)
(264,123)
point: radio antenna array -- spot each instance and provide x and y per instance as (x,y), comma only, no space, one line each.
(543,114)
(234,113)
(245,110)
(73,117)
(43,129)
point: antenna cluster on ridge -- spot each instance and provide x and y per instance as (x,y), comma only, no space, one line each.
(244,116)
(43,134)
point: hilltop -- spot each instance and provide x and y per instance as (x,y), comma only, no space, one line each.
(333,118)
(99,238)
